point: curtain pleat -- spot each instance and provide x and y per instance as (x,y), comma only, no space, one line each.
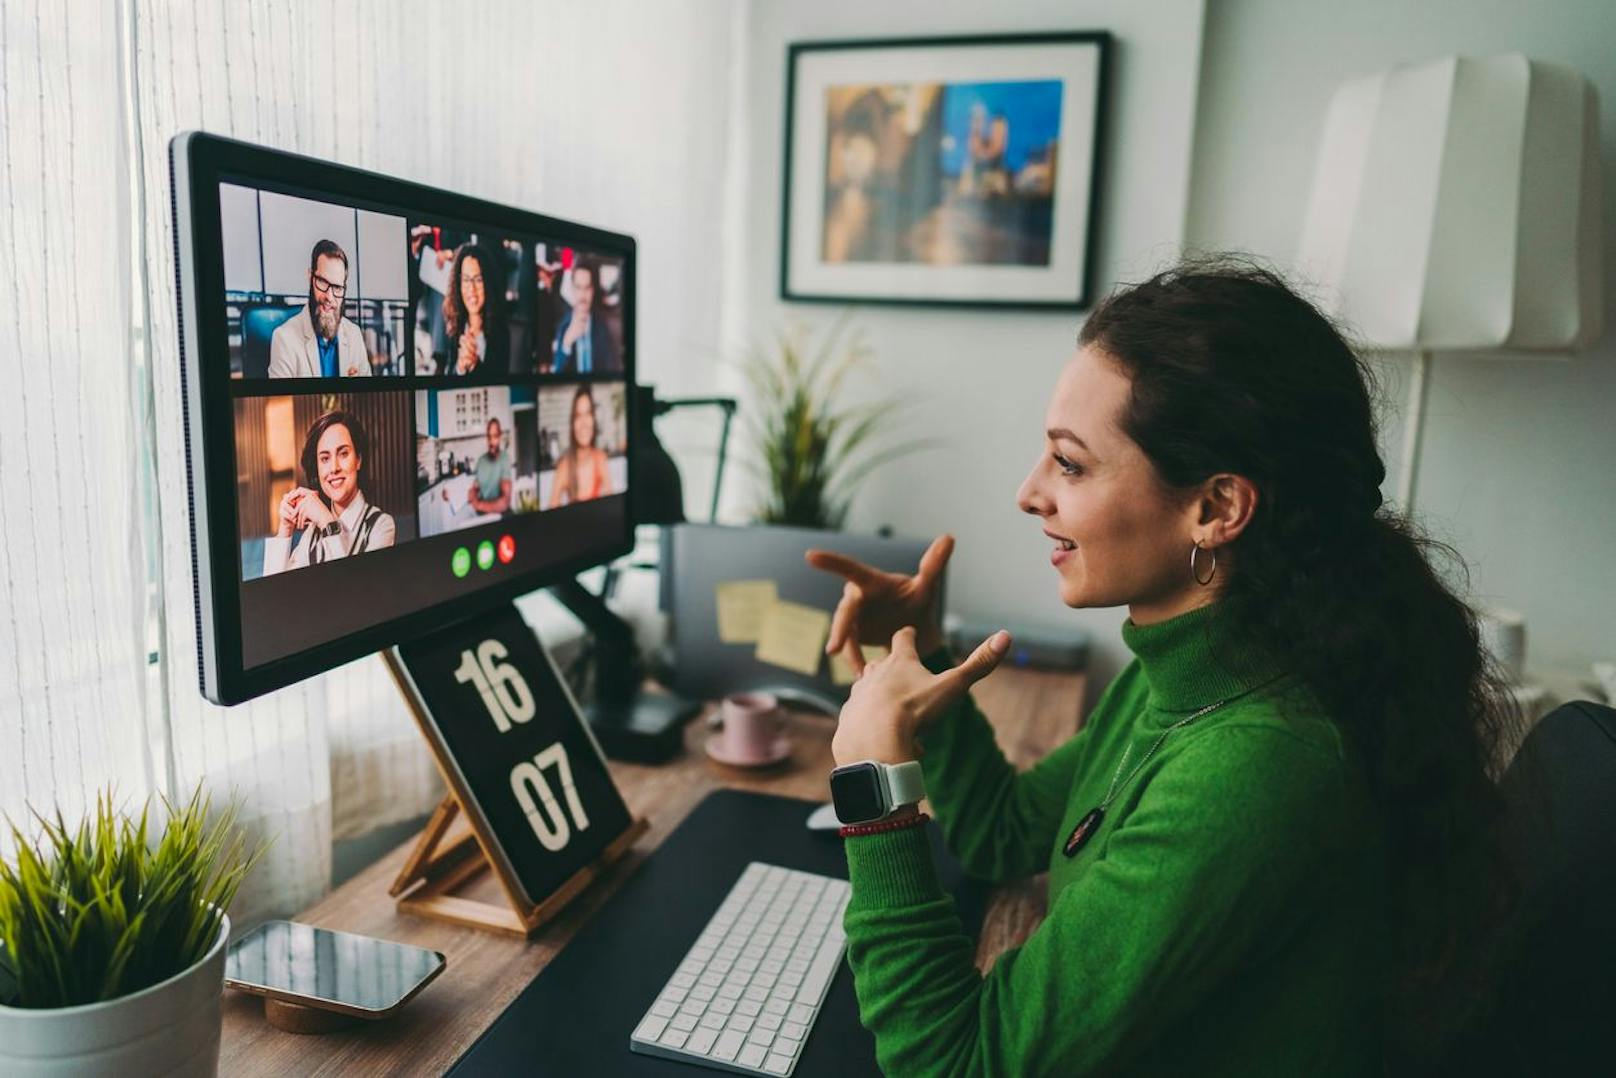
(72,586)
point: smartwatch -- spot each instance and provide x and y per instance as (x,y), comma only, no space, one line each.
(868,791)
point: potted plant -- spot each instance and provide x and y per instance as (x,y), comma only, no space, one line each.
(112,946)
(812,450)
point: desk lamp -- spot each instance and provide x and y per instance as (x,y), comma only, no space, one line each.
(1456,208)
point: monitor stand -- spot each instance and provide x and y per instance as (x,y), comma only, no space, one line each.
(630,723)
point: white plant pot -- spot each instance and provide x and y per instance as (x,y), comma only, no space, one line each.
(171,1028)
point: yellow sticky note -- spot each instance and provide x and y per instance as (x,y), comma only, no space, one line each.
(841,671)
(793,636)
(741,606)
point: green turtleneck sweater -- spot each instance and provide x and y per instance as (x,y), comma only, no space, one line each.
(1226,916)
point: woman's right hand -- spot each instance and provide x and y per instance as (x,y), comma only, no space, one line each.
(876,604)
(575,329)
(287,517)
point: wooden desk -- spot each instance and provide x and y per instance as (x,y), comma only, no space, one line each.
(1031,711)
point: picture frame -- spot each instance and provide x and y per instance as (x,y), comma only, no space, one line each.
(947,171)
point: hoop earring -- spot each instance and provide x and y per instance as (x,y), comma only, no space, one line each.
(1196,549)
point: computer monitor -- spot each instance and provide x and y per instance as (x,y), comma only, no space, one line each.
(402,406)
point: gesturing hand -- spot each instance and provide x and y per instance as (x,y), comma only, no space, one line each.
(288,518)
(575,329)
(875,604)
(896,696)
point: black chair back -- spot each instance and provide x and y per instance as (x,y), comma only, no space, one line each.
(1558,994)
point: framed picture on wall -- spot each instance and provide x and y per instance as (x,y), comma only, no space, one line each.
(957,171)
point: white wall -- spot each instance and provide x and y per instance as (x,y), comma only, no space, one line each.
(979,380)
(1519,463)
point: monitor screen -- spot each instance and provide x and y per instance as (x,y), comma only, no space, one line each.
(403,405)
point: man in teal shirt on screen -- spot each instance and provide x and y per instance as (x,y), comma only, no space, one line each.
(491,489)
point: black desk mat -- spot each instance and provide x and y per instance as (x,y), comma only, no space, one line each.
(576,1016)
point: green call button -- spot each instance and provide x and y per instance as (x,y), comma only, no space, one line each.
(461,561)
(485,554)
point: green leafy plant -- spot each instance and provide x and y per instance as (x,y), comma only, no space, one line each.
(95,913)
(811,451)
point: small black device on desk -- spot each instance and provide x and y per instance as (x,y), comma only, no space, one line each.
(577,1015)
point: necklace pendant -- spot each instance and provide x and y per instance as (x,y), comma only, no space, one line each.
(1084,831)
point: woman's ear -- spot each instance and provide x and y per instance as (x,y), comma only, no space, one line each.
(1225,505)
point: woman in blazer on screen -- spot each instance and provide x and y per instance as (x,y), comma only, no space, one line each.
(330,519)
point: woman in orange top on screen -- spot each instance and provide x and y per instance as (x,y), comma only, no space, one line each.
(581,473)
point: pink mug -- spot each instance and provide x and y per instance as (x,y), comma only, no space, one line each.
(752,726)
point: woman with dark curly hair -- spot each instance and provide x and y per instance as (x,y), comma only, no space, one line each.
(474,318)
(1273,848)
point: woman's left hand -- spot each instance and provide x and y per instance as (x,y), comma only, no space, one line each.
(896,697)
(311,510)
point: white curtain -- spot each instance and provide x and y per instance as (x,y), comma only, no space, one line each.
(613,113)
(72,583)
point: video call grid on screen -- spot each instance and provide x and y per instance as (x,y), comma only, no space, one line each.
(424,407)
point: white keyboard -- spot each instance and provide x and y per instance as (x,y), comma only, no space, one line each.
(746,995)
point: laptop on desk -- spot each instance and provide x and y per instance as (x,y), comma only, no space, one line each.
(699,558)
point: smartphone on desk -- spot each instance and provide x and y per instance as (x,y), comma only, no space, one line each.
(332,971)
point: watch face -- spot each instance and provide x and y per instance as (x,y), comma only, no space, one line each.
(856,792)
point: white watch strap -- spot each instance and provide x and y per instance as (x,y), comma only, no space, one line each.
(906,783)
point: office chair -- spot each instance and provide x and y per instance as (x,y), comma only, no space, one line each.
(258,325)
(1558,992)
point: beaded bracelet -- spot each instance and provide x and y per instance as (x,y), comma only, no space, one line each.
(883,826)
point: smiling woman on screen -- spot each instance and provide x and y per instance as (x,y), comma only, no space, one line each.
(330,518)
(1272,849)
(474,316)
(583,473)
